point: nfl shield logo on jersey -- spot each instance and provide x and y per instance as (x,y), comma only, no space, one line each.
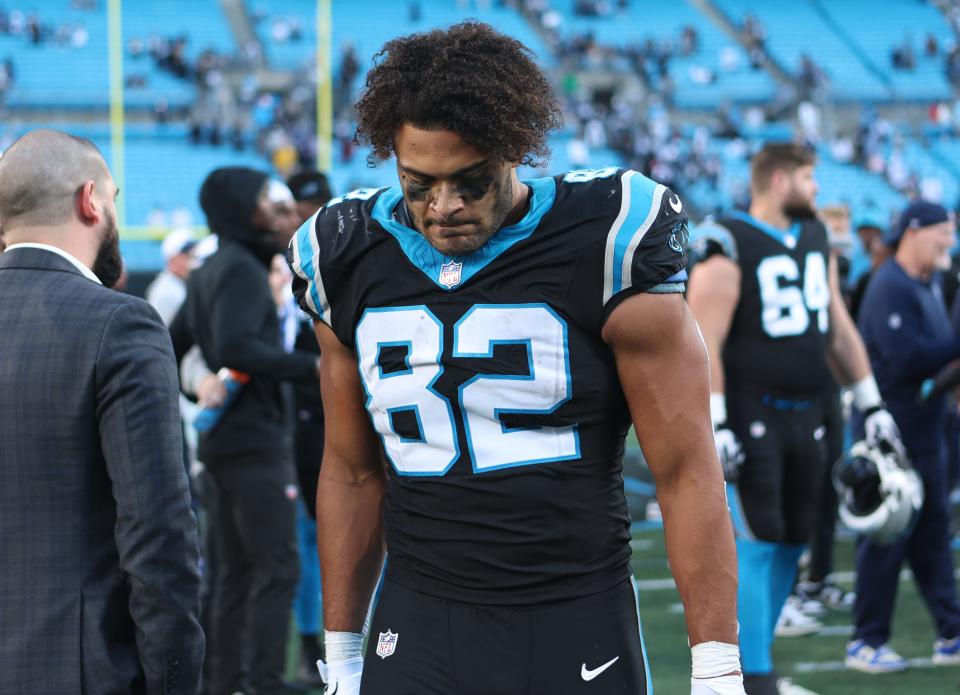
(450,273)
(387,644)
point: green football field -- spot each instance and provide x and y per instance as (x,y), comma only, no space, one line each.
(814,662)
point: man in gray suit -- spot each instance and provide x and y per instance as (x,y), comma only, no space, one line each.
(99,581)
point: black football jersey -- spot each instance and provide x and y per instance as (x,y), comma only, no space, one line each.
(498,404)
(778,337)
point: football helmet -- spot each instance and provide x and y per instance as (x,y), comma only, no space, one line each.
(880,492)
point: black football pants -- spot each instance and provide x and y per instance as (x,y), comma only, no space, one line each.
(421,645)
(781,477)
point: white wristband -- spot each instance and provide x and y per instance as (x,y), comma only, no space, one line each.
(341,646)
(713,659)
(718,409)
(866,393)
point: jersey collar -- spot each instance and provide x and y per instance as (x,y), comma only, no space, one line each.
(787,237)
(437,266)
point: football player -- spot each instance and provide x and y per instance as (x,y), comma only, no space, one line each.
(766,295)
(486,344)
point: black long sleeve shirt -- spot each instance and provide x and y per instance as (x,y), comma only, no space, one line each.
(230,314)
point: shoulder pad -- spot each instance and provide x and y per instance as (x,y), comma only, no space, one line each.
(711,238)
(336,228)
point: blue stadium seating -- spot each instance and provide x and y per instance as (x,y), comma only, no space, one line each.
(858,188)
(873,34)
(665,21)
(352,24)
(53,76)
(795,28)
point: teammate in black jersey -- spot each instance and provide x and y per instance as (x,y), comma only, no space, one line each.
(766,295)
(486,344)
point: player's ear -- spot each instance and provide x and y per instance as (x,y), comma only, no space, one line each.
(86,205)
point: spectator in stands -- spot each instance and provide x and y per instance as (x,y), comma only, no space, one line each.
(689,40)
(907,333)
(230,314)
(311,191)
(168,290)
(902,57)
(810,78)
(931,46)
(753,32)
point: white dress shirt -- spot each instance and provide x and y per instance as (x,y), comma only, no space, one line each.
(63,254)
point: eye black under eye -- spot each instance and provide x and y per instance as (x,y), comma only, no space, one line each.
(417,189)
(476,186)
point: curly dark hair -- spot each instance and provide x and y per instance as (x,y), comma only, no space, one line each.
(469,79)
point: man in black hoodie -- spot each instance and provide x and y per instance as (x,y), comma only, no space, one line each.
(231,315)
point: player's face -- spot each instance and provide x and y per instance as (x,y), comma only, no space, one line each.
(457,196)
(934,243)
(108,264)
(801,194)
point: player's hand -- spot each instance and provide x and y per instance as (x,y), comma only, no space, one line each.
(721,685)
(881,430)
(730,451)
(211,392)
(342,678)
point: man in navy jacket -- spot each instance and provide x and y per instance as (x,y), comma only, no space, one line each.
(905,326)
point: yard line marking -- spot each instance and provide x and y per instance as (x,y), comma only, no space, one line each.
(655,584)
(826,666)
(835,631)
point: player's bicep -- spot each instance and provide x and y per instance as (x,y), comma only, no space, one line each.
(351,448)
(663,370)
(713,294)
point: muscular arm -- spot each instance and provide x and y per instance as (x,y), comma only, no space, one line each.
(350,492)
(714,291)
(663,369)
(846,355)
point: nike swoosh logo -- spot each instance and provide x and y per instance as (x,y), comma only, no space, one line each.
(588,675)
(677,206)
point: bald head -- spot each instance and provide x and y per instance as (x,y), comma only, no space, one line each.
(41,174)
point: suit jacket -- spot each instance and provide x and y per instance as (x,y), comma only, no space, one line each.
(99,580)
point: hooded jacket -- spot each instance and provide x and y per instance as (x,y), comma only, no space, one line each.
(230,314)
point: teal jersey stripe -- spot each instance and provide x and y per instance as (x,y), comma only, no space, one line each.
(638,209)
(421,254)
(787,237)
(305,267)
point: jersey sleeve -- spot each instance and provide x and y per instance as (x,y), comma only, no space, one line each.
(710,239)
(646,246)
(305,260)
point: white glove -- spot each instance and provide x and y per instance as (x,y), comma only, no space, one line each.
(729,448)
(730,451)
(880,430)
(342,678)
(721,685)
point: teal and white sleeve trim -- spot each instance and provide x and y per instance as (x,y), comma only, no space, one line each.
(639,207)
(305,252)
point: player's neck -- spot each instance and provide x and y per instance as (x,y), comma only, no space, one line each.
(769,214)
(521,201)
